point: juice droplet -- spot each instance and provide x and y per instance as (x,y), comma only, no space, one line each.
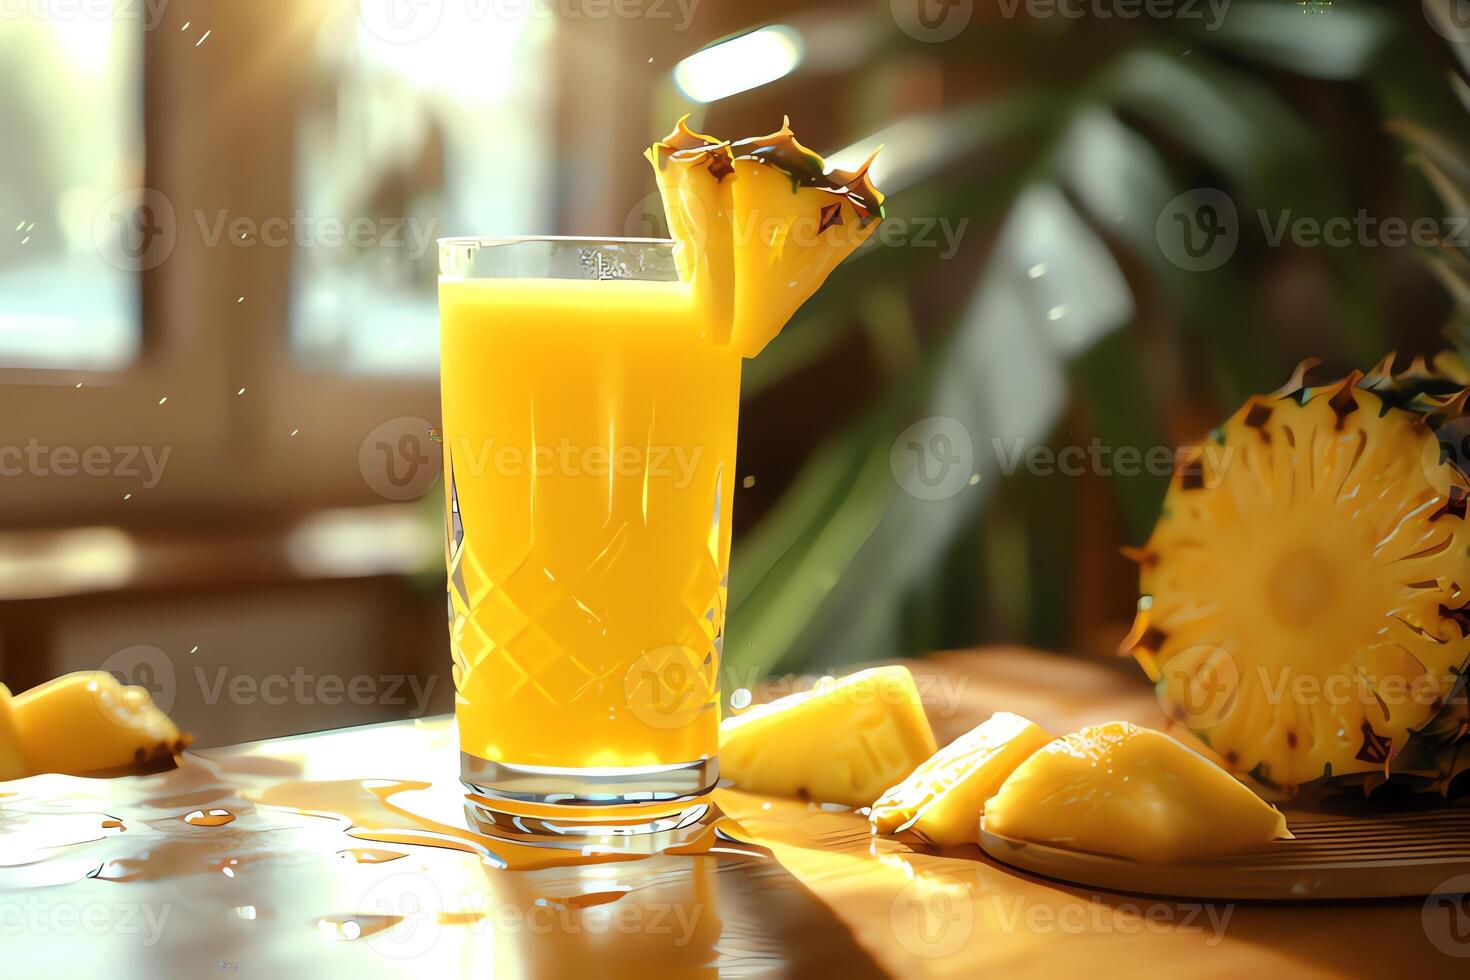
(586,900)
(216,817)
(723,836)
(370,855)
(346,928)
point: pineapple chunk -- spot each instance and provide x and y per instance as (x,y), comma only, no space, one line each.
(844,741)
(85,722)
(942,799)
(1130,792)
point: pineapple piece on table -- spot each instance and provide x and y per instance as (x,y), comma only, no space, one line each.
(844,741)
(1131,792)
(84,723)
(942,800)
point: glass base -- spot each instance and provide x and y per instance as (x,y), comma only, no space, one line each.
(638,807)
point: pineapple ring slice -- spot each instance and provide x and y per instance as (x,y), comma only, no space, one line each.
(1303,607)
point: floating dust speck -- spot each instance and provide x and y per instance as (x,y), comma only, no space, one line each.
(127,496)
(229,872)
(195,650)
(204,37)
(1037,271)
(25,239)
(748,482)
(294,432)
(21,226)
(31,226)
(186,26)
(246,912)
(974,478)
(239,299)
(240,392)
(163,400)
(1056,312)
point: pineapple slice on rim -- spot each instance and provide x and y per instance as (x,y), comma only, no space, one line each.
(761,223)
(1303,608)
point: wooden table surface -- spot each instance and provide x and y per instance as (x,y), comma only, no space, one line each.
(344,852)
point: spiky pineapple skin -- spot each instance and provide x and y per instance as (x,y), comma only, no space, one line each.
(1338,549)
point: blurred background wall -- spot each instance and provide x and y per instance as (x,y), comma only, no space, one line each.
(218,337)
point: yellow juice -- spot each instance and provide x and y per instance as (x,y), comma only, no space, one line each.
(589,443)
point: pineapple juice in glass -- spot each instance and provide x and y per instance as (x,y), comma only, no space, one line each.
(589,451)
(590,396)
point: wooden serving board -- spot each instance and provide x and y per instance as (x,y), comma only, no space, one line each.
(1333,857)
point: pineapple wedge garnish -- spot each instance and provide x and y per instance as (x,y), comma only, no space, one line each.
(844,741)
(942,800)
(760,224)
(1131,792)
(83,723)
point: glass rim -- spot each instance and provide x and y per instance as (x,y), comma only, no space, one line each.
(478,241)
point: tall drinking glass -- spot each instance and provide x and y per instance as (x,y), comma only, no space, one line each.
(589,460)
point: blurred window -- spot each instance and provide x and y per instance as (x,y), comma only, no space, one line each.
(411,131)
(71,163)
